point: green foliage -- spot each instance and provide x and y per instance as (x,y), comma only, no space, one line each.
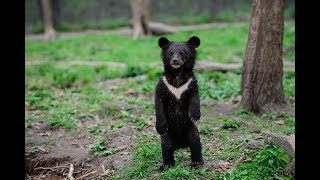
(218,86)
(99,148)
(230,124)
(125,114)
(97,129)
(289,84)
(289,11)
(140,122)
(41,99)
(117,125)
(148,87)
(154,73)
(290,125)
(39,69)
(205,130)
(61,117)
(133,70)
(64,79)
(69,76)
(243,112)
(181,172)
(145,161)
(275,115)
(288,119)
(265,165)
(222,44)
(68,123)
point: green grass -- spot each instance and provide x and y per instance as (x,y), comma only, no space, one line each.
(289,84)
(70,95)
(221,44)
(146,160)
(218,86)
(267,164)
(77,75)
(230,124)
(99,148)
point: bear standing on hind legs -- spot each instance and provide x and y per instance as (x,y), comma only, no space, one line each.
(177,102)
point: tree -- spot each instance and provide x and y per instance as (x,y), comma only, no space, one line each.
(55,5)
(45,12)
(140,17)
(261,86)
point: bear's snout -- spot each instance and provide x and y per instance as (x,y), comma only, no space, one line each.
(176,61)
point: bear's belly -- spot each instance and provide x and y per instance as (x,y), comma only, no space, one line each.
(177,117)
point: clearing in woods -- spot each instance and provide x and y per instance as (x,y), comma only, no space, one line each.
(99,116)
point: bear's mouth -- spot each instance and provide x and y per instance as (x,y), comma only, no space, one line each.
(175,66)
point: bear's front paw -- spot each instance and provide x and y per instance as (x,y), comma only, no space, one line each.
(164,134)
(195,116)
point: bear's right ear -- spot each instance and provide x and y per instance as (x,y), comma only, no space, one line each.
(163,42)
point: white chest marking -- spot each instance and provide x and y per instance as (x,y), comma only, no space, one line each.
(176,91)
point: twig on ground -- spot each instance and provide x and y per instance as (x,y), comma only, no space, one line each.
(242,157)
(103,169)
(85,175)
(71,172)
(50,168)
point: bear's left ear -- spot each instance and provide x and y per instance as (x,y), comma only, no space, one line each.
(163,42)
(194,41)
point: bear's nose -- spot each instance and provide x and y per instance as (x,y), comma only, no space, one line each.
(175,61)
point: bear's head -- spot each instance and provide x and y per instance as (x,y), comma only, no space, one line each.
(178,55)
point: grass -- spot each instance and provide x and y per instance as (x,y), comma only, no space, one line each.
(99,148)
(145,161)
(223,44)
(230,124)
(266,165)
(67,95)
(219,86)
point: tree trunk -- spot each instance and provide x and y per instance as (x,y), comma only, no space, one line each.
(261,86)
(49,32)
(55,4)
(140,17)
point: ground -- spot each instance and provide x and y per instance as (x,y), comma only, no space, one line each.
(99,116)
(49,151)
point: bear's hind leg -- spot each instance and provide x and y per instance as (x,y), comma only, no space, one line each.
(167,152)
(195,146)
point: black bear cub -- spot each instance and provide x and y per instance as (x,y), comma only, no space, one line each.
(177,102)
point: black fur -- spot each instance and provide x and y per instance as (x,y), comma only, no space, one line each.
(175,117)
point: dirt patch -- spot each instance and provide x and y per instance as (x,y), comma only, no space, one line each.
(219,109)
(49,152)
(122,137)
(219,166)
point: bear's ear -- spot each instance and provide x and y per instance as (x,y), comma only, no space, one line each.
(194,41)
(163,42)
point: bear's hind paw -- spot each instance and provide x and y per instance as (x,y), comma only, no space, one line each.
(165,166)
(197,163)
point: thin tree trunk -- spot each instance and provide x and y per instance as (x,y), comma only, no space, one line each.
(55,4)
(140,17)
(261,88)
(49,31)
